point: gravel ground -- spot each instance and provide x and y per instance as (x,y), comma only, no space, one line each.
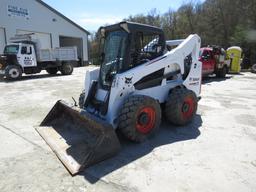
(216,152)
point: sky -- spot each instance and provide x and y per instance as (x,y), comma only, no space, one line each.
(91,14)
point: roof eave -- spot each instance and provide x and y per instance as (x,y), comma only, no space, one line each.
(63,16)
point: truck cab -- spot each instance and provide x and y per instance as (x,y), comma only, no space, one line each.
(208,61)
(17,59)
(214,61)
(24,55)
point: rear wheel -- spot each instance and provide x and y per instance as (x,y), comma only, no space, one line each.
(140,118)
(181,106)
(254,68)
(221,73)
(13,72)
(52,71)
(66,69)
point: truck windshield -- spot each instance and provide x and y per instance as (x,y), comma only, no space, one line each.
(113,55)
(11,49)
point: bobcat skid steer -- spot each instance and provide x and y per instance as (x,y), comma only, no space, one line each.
(138,74)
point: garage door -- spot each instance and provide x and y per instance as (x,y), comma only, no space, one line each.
(44,38)
(2,40)
(72,41)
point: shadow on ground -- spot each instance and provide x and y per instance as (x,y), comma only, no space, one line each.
(29,77)
(210,79)
(130,152)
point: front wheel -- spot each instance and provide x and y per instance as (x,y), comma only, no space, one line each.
(181,106)
(140,118)
(254,68)
(66,69)
(13,72)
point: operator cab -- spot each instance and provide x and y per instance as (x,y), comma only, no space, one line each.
(123,46)
(126,45)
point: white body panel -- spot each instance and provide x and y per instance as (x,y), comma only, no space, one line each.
(174,42)
(58,54)
(90,75)
(172,61)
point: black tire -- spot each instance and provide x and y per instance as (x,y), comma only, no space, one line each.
(52,71)
(221,73)
(181,106)
(13,72)
(139,118)
(254,68)
(66,69)
(81,99)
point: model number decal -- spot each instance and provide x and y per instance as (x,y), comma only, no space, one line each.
(194,81)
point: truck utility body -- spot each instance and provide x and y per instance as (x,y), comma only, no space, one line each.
(24,55)
(214,61)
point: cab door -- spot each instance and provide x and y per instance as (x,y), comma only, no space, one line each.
(27,56)
(205,62)
(208,62)
(211,62)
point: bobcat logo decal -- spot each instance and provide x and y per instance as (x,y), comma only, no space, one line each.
(128,80)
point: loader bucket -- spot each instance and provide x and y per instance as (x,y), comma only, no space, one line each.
(78,138)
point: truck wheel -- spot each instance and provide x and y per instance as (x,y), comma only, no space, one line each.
(221,73)
(13,72)
(140,118)
(66,69)
(254,68)
(52,71)
(181,106)
(81,99)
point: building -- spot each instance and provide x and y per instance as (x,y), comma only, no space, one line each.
(48,25)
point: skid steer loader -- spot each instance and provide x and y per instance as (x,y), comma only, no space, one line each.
(140,78)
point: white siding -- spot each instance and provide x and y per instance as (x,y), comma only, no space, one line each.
(41,20)
(2,40)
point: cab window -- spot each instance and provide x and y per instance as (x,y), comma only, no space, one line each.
(26,50)
(29,51)
(145,48)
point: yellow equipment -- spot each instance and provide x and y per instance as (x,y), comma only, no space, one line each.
(235,55)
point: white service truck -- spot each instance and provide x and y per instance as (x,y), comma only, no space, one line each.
(24,55)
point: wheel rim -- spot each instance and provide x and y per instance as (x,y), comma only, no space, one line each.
(14,73)
(146,120)
(188,108)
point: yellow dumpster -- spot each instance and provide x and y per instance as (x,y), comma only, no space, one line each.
(235,54)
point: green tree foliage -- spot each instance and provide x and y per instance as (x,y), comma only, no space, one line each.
(218,22)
